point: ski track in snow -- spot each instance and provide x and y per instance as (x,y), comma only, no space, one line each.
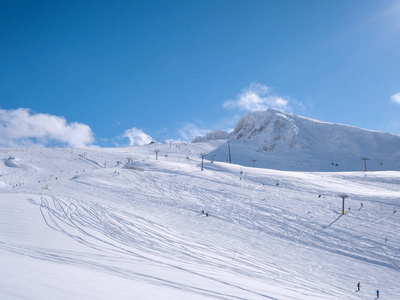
(282,236)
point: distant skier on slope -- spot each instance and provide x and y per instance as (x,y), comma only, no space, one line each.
(358,286)
(377,293)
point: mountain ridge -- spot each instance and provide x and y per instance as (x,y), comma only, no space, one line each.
(272,136)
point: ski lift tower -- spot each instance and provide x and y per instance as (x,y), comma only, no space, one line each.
(365,163)
(202,157)
(254,162)
(229,150)
(344,196)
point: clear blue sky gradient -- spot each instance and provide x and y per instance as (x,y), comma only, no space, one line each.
(158,65)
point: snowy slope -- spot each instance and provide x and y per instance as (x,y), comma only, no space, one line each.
(72,229)
(285,141)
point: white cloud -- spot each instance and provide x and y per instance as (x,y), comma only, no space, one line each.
(22,127)
(136,136)
(189,131)
(396,98)
(257,97)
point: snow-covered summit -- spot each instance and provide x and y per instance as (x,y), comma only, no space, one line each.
(285,141)
(212,136)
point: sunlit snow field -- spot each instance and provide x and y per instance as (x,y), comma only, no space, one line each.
(84,224)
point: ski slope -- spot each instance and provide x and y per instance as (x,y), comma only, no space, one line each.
(85,224)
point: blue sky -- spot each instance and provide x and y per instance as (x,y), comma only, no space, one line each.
(114,73)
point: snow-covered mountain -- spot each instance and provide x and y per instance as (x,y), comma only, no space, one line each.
(212,136)
(288,142)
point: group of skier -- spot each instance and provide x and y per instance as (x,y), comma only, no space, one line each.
(362,205)
(203,213)
(358,289)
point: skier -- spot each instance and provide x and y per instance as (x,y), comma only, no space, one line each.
(358,286)
(377,293)
(362,205)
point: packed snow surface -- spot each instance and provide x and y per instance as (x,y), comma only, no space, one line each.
(119,224)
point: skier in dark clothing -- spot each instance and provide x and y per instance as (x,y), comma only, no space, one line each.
(358,286)
(377,293)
